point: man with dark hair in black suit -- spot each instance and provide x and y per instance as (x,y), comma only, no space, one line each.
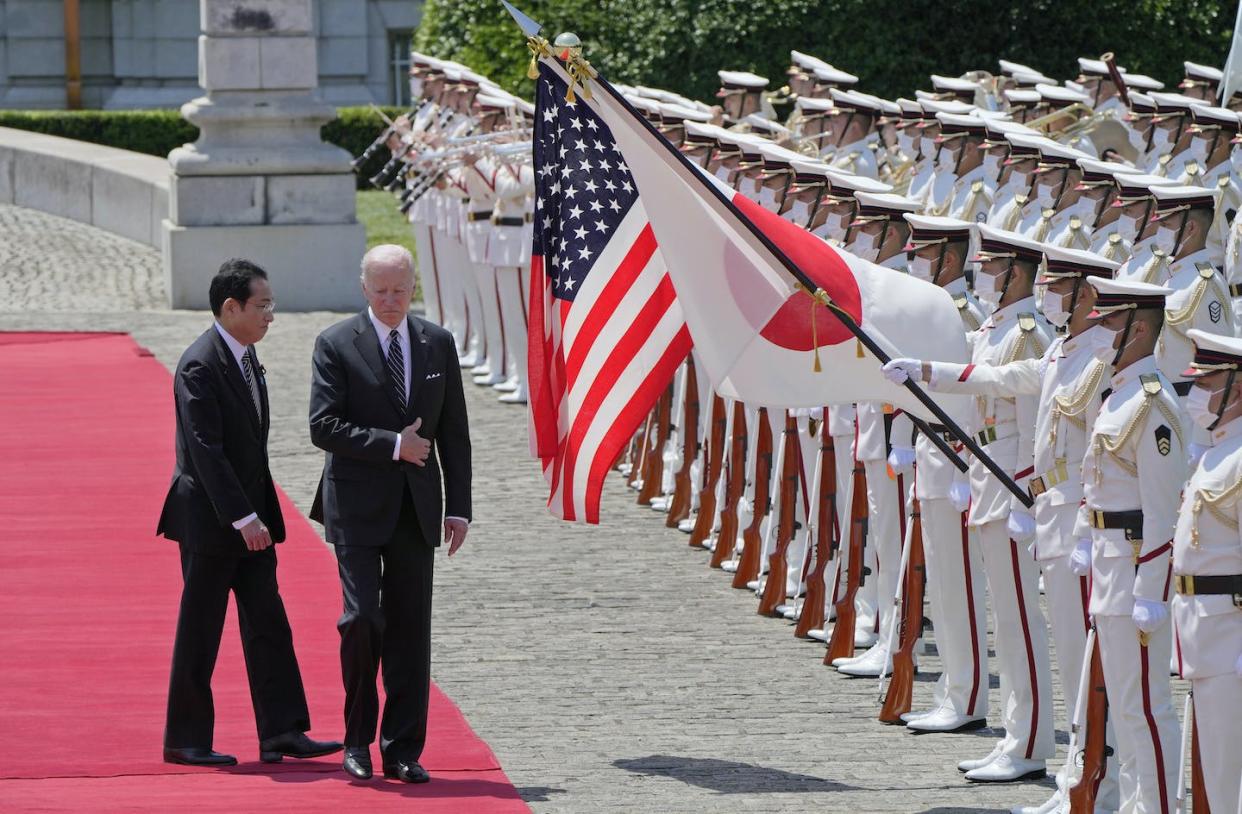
(222,510)
(385,394)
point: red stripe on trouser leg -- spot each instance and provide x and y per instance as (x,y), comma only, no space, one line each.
(977,674)
(1151,727)
(1030,651)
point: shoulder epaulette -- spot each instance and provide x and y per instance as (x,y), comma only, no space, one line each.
(1223,181)
(977,186)
(1115,237)
(1021,199)
(1151,384)
(961,301)
(1026,321)
(1206,270)
(1075,223)
(1192,168)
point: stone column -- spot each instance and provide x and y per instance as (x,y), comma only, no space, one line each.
(260,183)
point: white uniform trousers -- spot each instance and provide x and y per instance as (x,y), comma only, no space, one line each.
(1218,708)
(511,285)
(1140,705)
(884,506)
(1021,645)
(956,586)
(429,275)
(843,455)
(457,263)
(493,330)
(797,553)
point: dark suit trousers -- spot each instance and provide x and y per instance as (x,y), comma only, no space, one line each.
(267,644)
(387,618)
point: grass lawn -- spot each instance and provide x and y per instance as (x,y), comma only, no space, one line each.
(377,210)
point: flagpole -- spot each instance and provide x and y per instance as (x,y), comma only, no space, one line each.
(578,71)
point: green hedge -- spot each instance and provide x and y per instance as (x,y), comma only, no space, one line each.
(158,132)
(892,45)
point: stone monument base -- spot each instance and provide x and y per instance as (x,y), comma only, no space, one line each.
(312,267)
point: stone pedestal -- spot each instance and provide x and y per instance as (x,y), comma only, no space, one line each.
(260,183)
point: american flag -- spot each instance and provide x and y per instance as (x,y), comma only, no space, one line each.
(606,331)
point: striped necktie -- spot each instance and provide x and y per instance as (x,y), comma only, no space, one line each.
(396,367)
(248,371)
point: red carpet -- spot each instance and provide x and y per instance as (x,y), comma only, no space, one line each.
(88,599)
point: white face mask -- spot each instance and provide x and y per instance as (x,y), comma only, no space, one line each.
(1165,240)
(1137,139)
(833,226)
(928,146)
(921,268)
(767,198)
(865,246)
(906,144)
(723,173)
(416,87)
(1054,309)
(1128,227)
(991,167)
(1102,340)
(987,287)
(1019,181)
(1045,196)
(1198,150)
(1235,160)
(1161,141)
(798,212)
(1197,408)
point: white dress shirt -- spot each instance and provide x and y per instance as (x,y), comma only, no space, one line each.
(238,350)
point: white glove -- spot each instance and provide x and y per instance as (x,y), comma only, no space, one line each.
(696,470)
(959,495)
(672,456)
(1021,527)
(901,460)
(1149,616)
(1193,453)
(1080,559)
(898,370)
(745,513)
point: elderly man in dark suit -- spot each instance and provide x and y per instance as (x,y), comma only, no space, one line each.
(222,510)
(388,409)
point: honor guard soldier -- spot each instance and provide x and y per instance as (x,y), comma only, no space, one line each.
(1073,217)
(1022,103)
(801,73)
(1212,131)
(1050,188)
(803,199)
(856,136)
(1171,120)
(827,77)
(1136,204)
(1133,470)
(1207,568)
(776,177)
(740,95)
(1095,80)
(961,90)
(1005,427)
(812,123)
(962,137)
(839,205)
(938,250)
(1200,298)
(1201,82)
(1019,167)
(1099,185)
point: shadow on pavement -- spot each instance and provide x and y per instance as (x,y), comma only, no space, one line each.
(728,776)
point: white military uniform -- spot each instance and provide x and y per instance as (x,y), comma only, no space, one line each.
(1200,300)
(1135,464)
(1006,423)
(480,190)
(1209,627)
(971,199)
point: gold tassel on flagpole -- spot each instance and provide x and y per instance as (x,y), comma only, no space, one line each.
(817,367)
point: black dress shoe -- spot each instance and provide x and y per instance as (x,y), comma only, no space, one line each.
(407,771)
(295,744)
(197,756)
(357,762)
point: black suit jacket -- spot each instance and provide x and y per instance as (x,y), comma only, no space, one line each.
(355,418)
(222,473)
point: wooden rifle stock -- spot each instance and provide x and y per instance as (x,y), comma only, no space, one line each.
(841,645)
(1198,789)
(653,472)
(774,588)
(679,506)
(638,452)
(748,565)
(735,484)
(812,616)
(706,517)
(901,686)
(1095,749)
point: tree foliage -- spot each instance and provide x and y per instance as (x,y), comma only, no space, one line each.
(892,45)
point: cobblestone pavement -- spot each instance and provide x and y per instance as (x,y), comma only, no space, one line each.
(607,667)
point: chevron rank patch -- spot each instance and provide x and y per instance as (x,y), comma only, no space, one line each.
(1163,436)
(1214,310)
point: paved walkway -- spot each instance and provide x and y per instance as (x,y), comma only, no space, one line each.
(606,666)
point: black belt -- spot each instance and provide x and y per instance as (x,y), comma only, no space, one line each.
(1129,521)
(1183,388)
(943,432)
(508,221)
(477,216)
(1188,585)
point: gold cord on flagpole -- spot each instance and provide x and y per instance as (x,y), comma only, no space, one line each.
(538,48)
(817,367)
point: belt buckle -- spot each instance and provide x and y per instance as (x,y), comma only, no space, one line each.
(1061,470)
(1237,600)
(1097,519)
(1184,584)
(1037,487)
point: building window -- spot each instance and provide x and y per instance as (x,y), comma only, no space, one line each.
(399,58)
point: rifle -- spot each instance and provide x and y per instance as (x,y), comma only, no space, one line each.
(900,688)
(786,525)
(841,645)
(679,506)
(735,485)
(823,527)
(706,517)
(653,475)
(752,545)
(1091,712)
(635,479)
(1198,791)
